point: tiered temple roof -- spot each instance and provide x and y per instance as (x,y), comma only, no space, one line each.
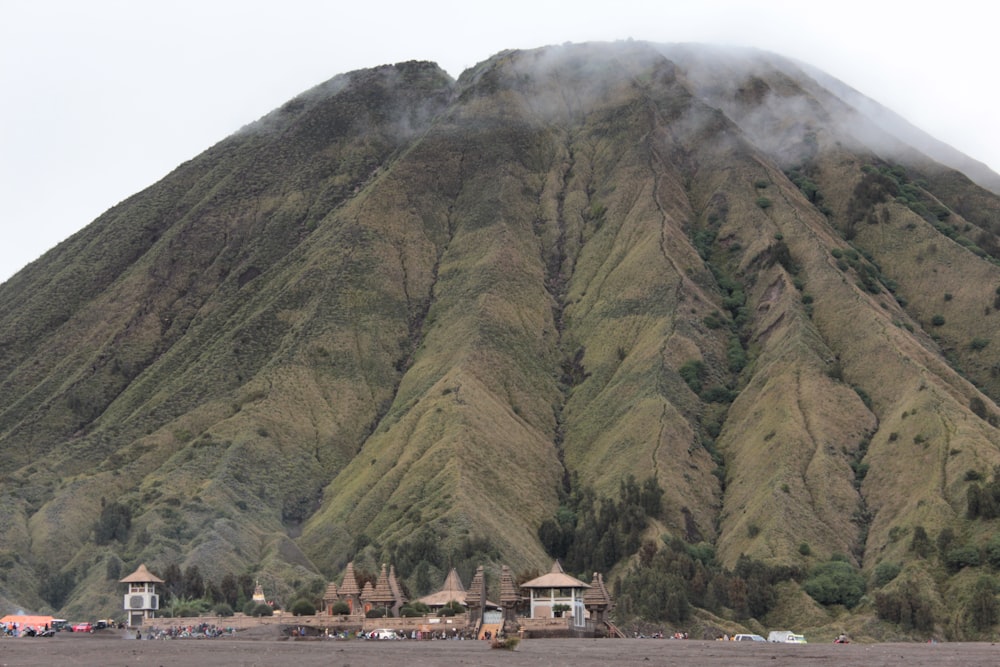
(397,592)
(331,595)
(597,595)
(367,592)
(383,592)
(474,596)
(350,584)
(509,595)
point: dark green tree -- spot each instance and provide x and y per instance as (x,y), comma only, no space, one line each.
(982,609)
(113,524)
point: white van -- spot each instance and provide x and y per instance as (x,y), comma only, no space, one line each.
(785,637)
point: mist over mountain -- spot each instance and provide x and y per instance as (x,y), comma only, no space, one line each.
(663,311)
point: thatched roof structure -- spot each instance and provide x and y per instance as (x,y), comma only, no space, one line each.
(141,576)
(556,578)
(451,590)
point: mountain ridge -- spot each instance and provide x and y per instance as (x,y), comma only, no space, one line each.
(410,317)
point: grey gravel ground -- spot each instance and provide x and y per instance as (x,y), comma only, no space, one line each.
(117,651)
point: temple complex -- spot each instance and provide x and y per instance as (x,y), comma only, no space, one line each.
(554,604)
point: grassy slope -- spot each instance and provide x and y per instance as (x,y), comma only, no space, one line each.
(373,313)
(234,358)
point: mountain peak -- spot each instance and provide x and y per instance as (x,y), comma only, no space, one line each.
(621,306)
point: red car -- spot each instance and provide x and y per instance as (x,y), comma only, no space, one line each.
(83,627)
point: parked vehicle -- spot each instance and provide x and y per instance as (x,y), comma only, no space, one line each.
(785,637)
(83,627)
(384,633)
(748,638)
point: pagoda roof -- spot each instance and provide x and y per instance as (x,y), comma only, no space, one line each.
(331,592)
(474,596)
(349,586)
(394,586)
(141,576)
(508,587)
(597,594)
(556,578)
(367,592)
(383,592)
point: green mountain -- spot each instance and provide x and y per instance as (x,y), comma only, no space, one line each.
(587,301)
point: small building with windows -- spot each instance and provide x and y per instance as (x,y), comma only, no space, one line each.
(556,588)
(141,600)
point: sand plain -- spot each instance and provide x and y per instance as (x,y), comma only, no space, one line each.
(121,650)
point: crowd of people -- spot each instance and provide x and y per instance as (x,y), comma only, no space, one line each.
(18,630)
(199,631)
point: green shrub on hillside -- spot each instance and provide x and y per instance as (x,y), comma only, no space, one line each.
(982,610)
(692,373)
(113,524)
(960,557)
(884,573)
(906,607)
(983,500)
(835,582)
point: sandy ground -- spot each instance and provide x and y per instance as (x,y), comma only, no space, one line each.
(117,651)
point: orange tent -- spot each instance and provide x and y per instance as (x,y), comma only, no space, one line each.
(27,621)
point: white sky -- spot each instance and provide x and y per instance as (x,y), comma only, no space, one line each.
(101,98)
